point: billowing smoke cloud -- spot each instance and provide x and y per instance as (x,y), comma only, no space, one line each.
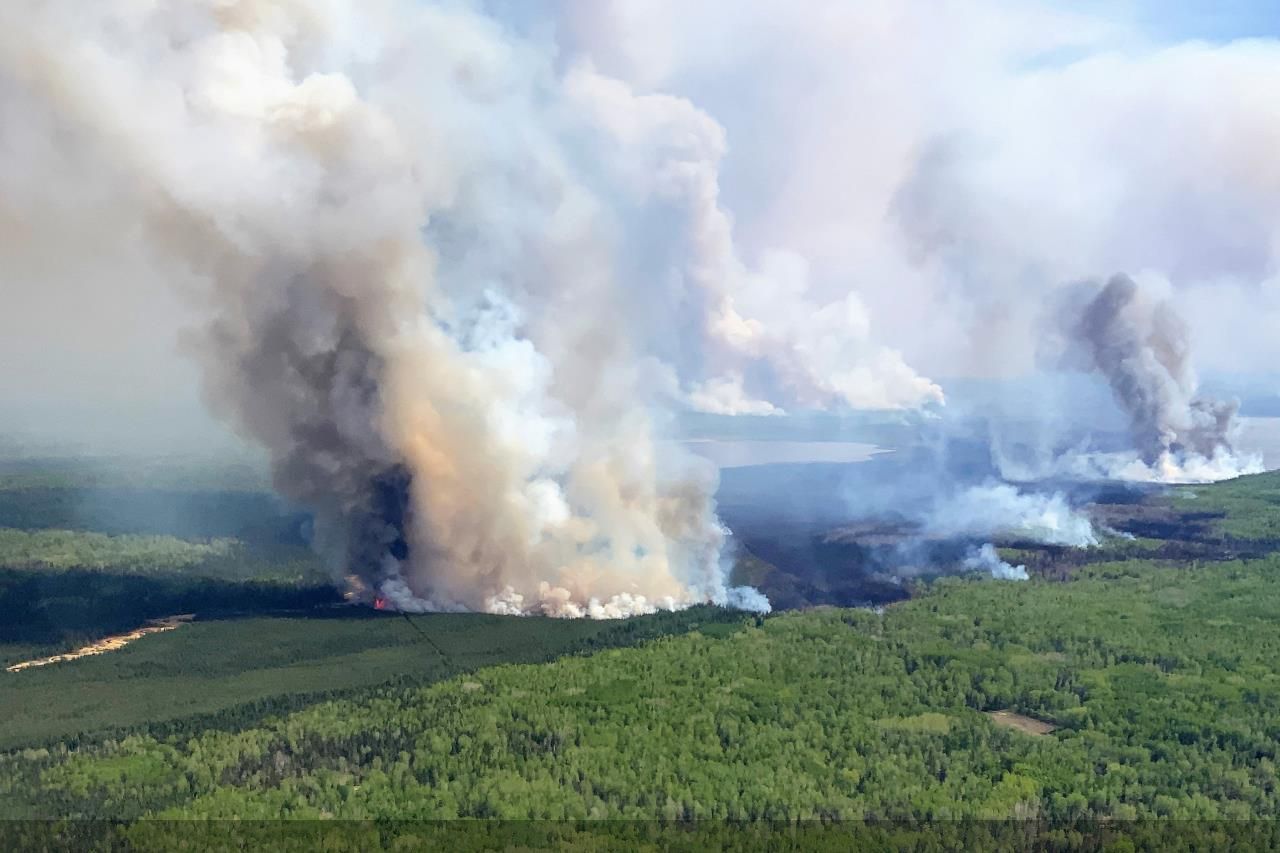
(954,163)
(762,335)
(425,300)
(985,559)
(459,258)
(1140,345)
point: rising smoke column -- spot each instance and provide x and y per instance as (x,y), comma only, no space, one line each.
(412,285)
(1142,348)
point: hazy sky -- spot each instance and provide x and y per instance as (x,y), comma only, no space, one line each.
(948,164)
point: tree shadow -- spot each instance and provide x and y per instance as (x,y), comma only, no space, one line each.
(47,607)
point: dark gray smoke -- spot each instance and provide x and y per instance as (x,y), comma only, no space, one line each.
(305,380)
(1140,345)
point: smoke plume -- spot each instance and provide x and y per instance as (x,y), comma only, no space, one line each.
(456,261)
(422,299)
(985,559)
(1140,345)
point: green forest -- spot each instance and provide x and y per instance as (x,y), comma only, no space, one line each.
(1140,682)
(1162,683)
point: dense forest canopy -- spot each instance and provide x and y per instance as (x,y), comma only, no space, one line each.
(1161,680)
(1137,678)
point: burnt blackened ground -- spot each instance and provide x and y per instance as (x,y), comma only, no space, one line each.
(811,535)
(842,534)
(796,566)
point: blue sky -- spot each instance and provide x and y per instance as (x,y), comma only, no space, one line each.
(1178,20)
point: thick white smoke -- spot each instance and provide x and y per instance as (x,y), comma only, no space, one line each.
(749,599)
(459,257)
(985,559)
(999,509)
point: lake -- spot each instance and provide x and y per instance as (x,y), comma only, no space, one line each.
(1259,436)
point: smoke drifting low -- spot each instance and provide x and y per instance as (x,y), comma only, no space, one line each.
(1001,510)
(1131,338)
(985,559)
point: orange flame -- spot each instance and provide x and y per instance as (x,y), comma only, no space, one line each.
(379,603)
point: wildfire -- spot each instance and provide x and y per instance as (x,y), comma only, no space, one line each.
(379,603)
